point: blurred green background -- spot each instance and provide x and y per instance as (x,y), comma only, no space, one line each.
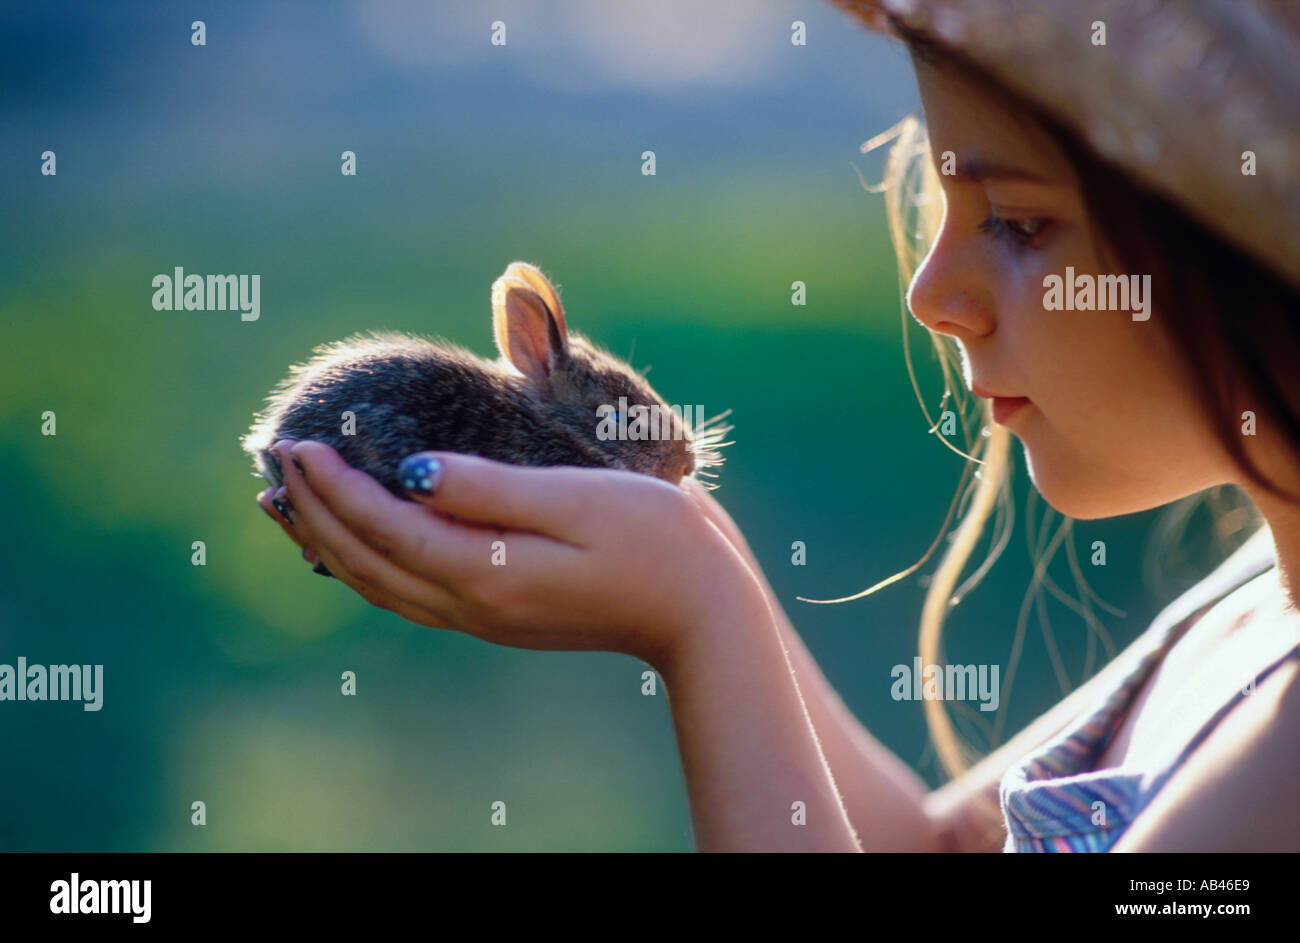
(222,682)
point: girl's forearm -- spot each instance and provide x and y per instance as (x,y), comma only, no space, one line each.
(755,774)
(883,796)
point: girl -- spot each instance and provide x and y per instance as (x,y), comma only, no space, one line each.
(1188,740)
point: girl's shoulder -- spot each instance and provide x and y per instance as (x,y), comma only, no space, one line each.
(974,803)
(1185,690)
(1235,791)
(1208,663)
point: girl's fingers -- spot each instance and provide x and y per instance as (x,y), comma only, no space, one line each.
(267,504)
(353,562)
(264,500)
(381,599)
(549,501)
(456,555)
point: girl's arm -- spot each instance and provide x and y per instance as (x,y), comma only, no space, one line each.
(756,777)
(890,807)
(743,698)
(884,797)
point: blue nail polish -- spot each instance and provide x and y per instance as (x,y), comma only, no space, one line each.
(419,474)
(283,504)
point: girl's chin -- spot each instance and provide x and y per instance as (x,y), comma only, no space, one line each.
(1073,492)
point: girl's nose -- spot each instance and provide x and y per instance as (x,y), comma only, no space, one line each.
(947,295)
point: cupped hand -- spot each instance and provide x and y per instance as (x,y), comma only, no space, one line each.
(541,558)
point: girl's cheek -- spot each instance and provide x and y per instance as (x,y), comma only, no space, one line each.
(1032,266)
(1026,274)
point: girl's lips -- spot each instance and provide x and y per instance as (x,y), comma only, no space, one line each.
(1006,406)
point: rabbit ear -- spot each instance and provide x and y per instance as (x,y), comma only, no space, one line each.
(542,285)
(528,322)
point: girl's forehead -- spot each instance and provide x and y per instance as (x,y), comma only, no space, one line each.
(984,129)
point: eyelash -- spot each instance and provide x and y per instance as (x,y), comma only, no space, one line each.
(1006,229)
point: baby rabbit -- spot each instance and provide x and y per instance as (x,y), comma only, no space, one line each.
(553,398)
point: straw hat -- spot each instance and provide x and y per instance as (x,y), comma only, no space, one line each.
(1178,92)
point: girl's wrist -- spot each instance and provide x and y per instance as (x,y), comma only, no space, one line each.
(735,607)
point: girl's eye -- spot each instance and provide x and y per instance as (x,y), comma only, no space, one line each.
(1019,231)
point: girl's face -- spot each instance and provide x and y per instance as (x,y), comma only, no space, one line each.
(1111,426)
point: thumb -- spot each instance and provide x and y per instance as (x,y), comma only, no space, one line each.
(547,501)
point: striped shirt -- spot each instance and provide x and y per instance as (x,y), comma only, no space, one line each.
(1055,800)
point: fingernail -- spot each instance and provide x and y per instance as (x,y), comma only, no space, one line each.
(281,449)
(283,504)
(309,555)
(321,569)
(419,474)
(296,464)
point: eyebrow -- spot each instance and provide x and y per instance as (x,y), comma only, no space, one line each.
(978,170)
